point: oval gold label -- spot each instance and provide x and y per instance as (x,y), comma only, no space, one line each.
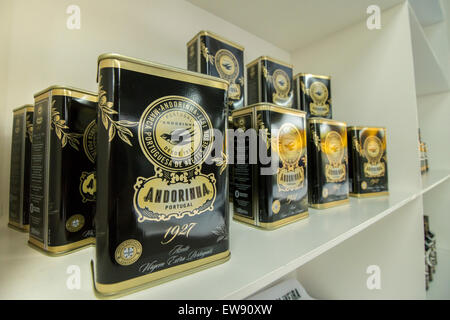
(128,252)
(75,223)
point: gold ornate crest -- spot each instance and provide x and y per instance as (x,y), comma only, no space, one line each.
(290,146)
(373,152)
(334,149)
(282,85)
(319,94)
(175,134)
(227,66)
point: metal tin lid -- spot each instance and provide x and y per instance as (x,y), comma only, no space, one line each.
(217,37)
(312,75)
(269,59)
(28,107)
(270,107)
(68,92)
(329,121)
(114,60)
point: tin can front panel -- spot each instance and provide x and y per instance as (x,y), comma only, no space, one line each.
(313,95)
(285,192)
(19,174)
(327,163)
(270,82)
(63,182)
(216,58)
(368,161)
(160,205)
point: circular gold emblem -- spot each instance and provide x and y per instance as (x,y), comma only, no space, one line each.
(227,65)
(364,185)
(90,141)
(334,147)
(75,223)
(281,82)
(290,144)
(175,133)
(372,149)
(128,252)
(318,92)
(325,193)
(276,206)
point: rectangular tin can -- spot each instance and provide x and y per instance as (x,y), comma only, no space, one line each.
(312,94)
(270,200)
(327,163)
(368,170)
(162,209)
(211,54)
(19,185)
(269,80)
(63,178)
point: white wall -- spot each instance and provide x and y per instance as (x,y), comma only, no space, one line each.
(373,84)
(44,52)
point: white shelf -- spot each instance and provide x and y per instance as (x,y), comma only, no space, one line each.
(256,258)
(429,73)
(440,286)
(433,178)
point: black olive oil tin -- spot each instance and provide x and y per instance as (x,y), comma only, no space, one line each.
(270,195)
(327,163)
(312,94)
(368,170)
(211,54)
(63,179)
(162,209)
(19,186)
(269,80)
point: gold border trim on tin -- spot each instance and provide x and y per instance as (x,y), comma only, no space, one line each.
(283,222)
(18,227)
(247,220)
(113,60)
(262,106)
(318,76)
(330,121)
(365,127)
(329,204)
(269,59)
(368,195)
(217,37)
(115,290)
(26,107)
(61,250)
(66,92)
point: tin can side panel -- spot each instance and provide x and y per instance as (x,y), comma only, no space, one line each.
(157,208)
(40,171)
(27,169)
(316,96)
(71,215)
(277,84)
(243,176)
(297,104)
(287,185)
(192,57)
(353,160)
(314,163)
(18,145)
(253,84)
